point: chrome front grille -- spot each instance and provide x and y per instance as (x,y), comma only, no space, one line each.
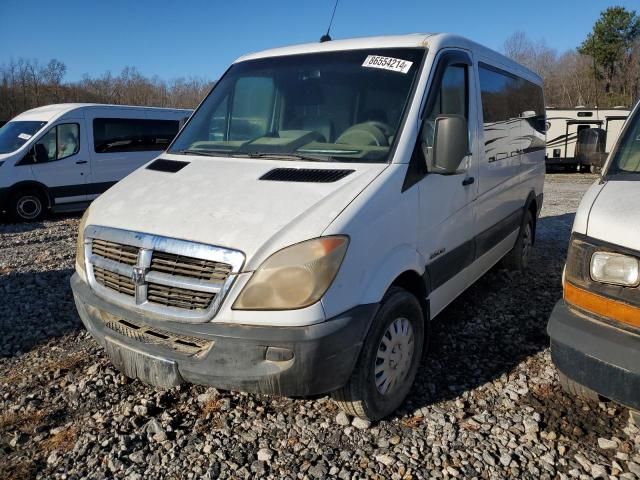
(189,267)
(178,297)
(175,279)
(114,281)
(114,251)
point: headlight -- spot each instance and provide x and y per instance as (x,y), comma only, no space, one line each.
(615,268)
(294,277)
(80,267)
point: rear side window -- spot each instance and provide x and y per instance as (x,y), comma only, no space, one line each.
(132,135)
(513,112)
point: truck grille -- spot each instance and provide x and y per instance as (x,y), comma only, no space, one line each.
(114,251)
(159,274)
(114,281)
(189,267)
(178,297)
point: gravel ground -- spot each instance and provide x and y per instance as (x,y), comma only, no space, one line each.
(486,403)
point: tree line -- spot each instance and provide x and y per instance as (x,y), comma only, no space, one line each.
(26,84)
(603,71)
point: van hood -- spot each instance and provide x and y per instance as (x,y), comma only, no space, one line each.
(223,201)
(614,216)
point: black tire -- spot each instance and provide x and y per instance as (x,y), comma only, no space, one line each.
(518,258)
(27,205)
(577,389)
(363,394)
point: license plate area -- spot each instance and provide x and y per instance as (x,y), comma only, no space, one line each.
(157,371)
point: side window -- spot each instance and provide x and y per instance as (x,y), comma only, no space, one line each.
(132,135)
(452,98)
(251,108)
(513,113)
(68,143)
(60,142)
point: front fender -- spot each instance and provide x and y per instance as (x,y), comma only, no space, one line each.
(401,259)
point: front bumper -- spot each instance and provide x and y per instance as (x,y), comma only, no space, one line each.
(292,361)
(595,354)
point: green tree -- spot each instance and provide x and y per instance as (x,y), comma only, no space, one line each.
(611,40)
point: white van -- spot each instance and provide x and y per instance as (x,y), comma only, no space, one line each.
(595,328)
(322,205)
(60,157)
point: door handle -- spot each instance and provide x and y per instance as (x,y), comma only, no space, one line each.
(468,181)
(80,162)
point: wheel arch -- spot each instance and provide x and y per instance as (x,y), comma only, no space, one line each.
(30,185)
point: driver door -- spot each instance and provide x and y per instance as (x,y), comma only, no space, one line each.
(62,163)
(446,227)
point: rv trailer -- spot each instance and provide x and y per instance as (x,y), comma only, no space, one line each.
(581,138)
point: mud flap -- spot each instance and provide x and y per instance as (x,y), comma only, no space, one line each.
(150,369)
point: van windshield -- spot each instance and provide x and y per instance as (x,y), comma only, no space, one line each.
(15,134)
(626,157)
(336,106)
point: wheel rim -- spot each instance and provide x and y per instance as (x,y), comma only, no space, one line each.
(29,207)
(394,356)
(526,243)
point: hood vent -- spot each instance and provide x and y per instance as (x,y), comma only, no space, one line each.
(310,175)
(164,165)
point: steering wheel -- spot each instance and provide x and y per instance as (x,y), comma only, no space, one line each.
(367,133)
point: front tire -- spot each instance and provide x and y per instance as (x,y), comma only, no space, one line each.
(577,389)
(389,360)
(27,206)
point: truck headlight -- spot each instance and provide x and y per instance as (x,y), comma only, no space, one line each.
(294,277)
(80,266)
(614,268)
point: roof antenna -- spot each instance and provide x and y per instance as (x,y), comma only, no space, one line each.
(326,37)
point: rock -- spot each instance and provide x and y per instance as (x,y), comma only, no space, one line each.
(361,423)
(505,459)
(140,410)
(385,460)
(265,454)
(606,444)
(342,419)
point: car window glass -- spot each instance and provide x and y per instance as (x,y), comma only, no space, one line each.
(47,146)
(68,140)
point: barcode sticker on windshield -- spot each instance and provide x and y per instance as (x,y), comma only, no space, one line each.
(387,63)
(24,136)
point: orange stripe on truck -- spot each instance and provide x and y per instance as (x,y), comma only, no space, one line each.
(600,305)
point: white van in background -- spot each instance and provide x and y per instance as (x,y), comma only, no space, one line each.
(60,157)
(595,328)
(323,204)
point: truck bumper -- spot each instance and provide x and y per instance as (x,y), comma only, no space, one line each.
(291,361)
(595,354)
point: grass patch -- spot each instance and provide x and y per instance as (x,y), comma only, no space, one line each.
(26,422)
(63,441)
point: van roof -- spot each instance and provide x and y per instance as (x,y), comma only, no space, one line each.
(51,112)
(433,41)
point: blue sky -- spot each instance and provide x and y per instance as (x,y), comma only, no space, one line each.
(201,38)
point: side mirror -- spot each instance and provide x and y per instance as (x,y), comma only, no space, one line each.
(40,154)
(450,143)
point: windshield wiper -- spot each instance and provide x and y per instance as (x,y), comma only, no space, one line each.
(284,156)
(203,153)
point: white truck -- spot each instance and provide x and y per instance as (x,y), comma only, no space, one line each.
(322,205)
(60,157)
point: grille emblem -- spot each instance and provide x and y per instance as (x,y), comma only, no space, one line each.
(137,276)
